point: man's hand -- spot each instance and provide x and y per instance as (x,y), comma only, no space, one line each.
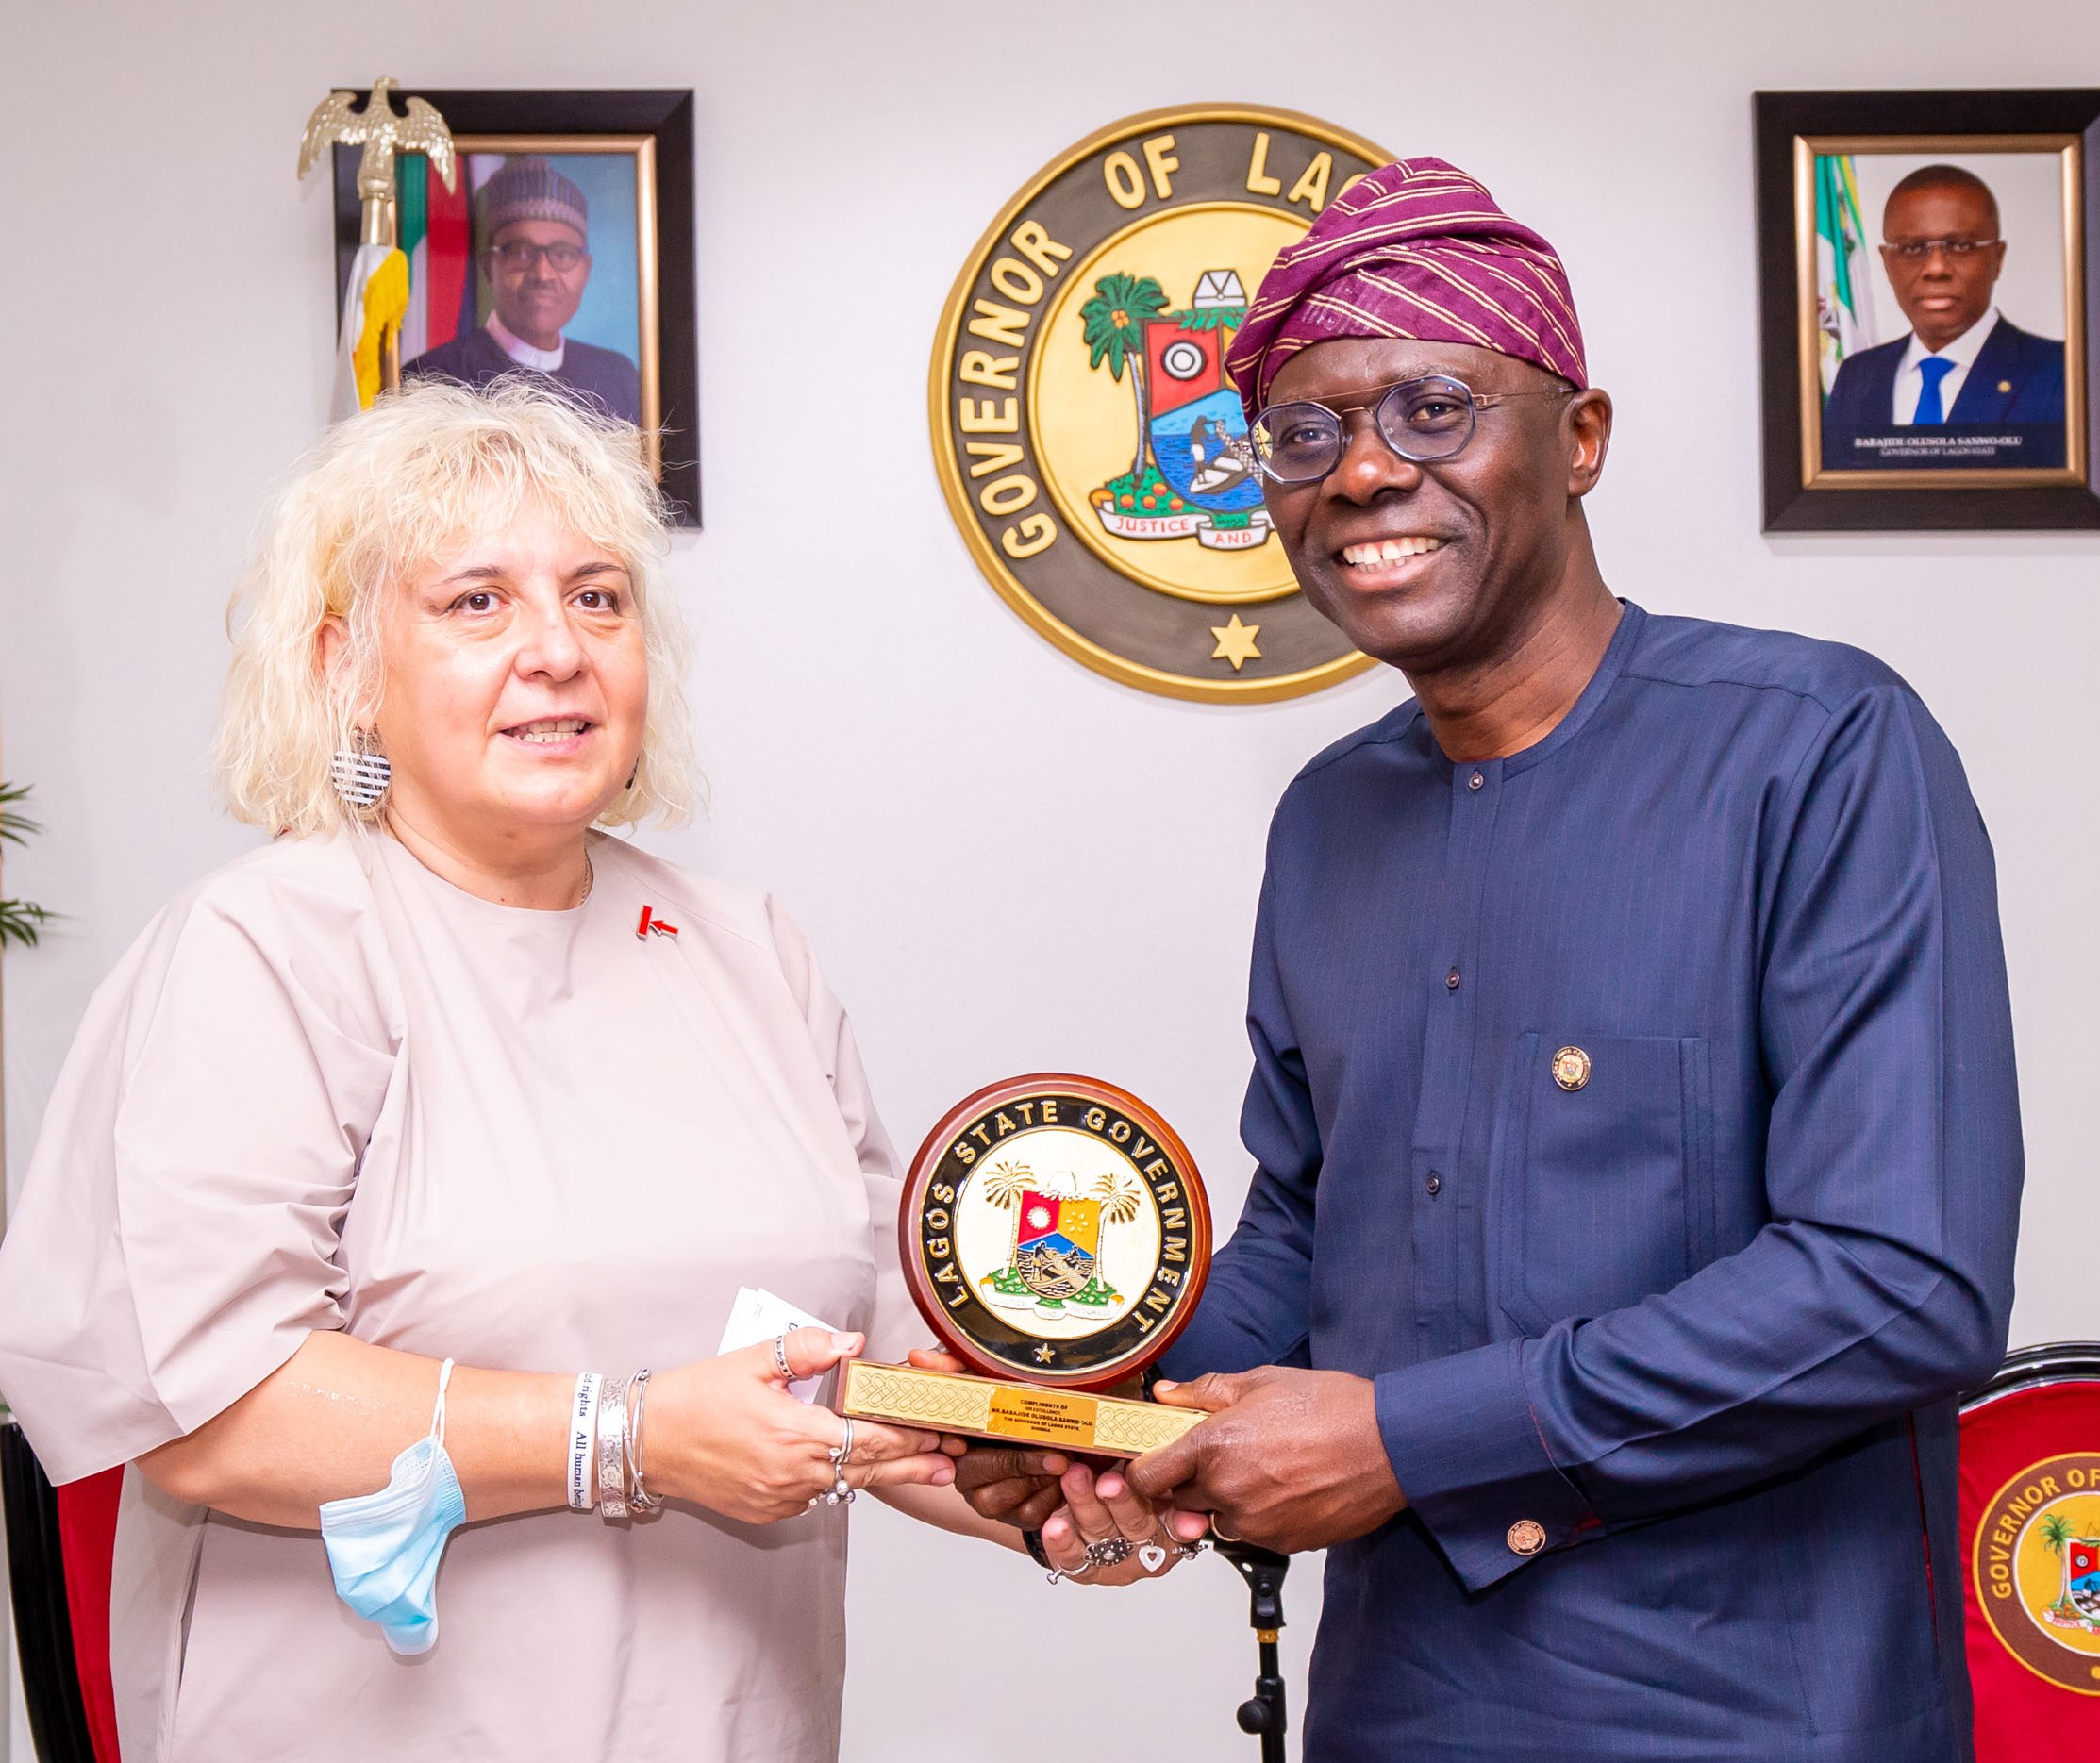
(1289,1459)
(1017,1488)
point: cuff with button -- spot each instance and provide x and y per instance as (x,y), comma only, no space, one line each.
(1467,1453)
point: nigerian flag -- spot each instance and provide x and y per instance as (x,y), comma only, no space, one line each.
(372,303)
(1844,289)
(435,239)
(423,287)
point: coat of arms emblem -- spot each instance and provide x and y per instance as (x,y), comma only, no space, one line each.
(1055,1229)
(1092,451)
(2037,1569)
(1055,1261)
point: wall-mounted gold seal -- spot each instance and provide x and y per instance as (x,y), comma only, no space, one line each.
(1090,445)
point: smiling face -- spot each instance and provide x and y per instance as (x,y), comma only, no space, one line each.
(516,685)
(538,270)
(1940,294)
(1433,566)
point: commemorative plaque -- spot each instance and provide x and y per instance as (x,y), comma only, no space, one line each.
(1055,1236)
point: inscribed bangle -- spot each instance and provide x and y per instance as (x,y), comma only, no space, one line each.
(612,1448)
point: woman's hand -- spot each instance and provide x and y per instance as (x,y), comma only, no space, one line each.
(1100,1509)
(725,1433)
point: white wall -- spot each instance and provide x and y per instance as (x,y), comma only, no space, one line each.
(869,708)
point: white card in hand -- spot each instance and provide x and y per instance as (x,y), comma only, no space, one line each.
(758,1315)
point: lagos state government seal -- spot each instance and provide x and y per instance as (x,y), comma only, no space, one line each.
(1091,447)
(1056,1230)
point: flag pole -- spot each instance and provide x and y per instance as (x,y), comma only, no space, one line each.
(380,224)
(337,120)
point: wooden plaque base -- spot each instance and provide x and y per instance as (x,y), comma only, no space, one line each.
(982,1408)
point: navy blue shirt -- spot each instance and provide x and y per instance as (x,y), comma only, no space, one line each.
(1638,1112)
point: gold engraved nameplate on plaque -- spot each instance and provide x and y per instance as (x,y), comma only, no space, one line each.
(1055,1236)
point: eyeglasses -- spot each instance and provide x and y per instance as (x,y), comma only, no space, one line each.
(1917,250)
(518,254)
(1421,420)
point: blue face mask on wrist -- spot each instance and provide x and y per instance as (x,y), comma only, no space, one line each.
(384,1548)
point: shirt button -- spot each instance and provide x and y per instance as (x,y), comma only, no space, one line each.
(1451,980)
(1526,1537)
(1434,1186)
(1475,781)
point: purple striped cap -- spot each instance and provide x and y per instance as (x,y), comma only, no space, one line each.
(1415,249)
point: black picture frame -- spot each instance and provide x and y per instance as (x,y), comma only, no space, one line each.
(1786,125)
(666,118)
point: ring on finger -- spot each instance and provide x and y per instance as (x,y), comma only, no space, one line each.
(1111,1550)
(1220,1533)
(841,1452)
(781,1354)
(1154,1551)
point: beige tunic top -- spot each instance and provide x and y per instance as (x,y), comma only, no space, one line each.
(326,1089)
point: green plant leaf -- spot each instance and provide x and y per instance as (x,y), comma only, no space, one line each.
(23,922)
(15,827)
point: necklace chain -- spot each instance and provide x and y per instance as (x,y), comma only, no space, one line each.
(589,878)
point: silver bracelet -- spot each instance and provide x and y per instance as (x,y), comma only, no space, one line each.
(612,1448)
(639,1497)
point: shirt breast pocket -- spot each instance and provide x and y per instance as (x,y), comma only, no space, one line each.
(1601,1184)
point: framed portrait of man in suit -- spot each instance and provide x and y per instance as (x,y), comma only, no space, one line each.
(562,249)
(1927,286)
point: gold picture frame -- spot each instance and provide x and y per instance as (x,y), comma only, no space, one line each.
(2069,151)
(2005,464)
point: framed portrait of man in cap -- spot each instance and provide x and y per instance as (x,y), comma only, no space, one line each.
(1927,279)
(563,250)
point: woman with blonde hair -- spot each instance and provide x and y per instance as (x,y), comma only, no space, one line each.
(393,1153)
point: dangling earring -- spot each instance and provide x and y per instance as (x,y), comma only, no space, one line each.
(360,772)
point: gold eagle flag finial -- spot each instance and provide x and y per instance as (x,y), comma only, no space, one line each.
(337,121)
(378,292)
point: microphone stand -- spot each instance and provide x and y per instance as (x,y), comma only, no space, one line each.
(1262,1713)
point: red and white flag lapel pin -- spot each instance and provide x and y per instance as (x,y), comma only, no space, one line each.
(651,925)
